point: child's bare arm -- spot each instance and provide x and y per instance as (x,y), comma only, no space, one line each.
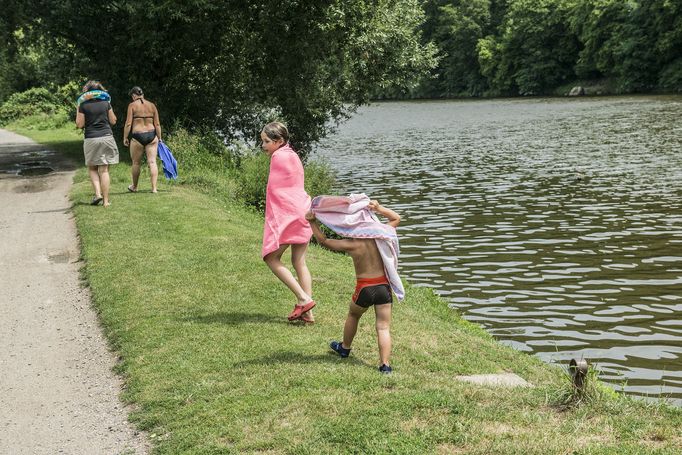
(393,218)
(332,244)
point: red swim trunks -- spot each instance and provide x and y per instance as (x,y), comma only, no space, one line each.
(372,291)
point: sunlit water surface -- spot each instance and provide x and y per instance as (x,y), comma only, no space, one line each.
(556,224)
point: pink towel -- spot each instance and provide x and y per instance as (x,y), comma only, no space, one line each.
(286,202)
(349,216)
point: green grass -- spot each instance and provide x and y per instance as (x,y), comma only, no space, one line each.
(213,367)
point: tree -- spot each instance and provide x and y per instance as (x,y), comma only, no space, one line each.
(11,19)
(606,31)
(232,65)
(658,24)
(535,50)
(455,27)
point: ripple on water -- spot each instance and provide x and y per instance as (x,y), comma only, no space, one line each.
(555,225)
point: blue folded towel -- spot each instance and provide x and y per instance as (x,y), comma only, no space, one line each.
(170,165)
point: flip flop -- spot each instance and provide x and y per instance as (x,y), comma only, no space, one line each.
(96,200)
(130,188)
(300,309)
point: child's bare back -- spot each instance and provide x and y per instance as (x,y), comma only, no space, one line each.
(366,258)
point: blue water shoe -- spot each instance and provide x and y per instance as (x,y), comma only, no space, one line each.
(337,346)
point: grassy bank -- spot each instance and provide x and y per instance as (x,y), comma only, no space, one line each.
(213,366)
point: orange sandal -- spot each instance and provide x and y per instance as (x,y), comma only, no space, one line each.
(306,318)
(300,309)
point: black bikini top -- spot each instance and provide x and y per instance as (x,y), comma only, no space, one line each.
(139,116)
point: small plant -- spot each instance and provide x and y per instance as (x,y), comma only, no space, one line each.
(319,178)
(579,389)
(253,179)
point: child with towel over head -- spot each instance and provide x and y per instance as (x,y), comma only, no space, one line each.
(374,248)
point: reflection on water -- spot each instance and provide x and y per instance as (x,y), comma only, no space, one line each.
(556,224)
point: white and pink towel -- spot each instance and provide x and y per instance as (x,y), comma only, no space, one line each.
(349,216)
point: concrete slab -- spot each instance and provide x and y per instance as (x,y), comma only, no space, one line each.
(496,380)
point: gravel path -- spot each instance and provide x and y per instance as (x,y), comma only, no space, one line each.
(58,393)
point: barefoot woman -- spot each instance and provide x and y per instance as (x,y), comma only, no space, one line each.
(142,124)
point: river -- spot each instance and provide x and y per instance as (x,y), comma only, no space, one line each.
(554,223)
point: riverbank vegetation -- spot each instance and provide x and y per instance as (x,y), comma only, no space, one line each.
(232,67)
(212,365)
(536,47)
(224,66)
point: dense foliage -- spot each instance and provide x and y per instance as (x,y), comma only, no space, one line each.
(40,108)
(231,66)
(525,47)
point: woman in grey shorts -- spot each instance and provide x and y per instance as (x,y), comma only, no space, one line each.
(96,116)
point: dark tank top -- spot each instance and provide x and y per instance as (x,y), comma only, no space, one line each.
(96,118)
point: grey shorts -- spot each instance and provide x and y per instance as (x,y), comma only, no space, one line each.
(100,150)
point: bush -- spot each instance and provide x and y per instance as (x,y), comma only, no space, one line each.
(234,170)
(253,179)
(319,178)
(34,102)
(202,149)
(43,122)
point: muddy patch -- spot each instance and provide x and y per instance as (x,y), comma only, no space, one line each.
(35,171)
(59,257)
(31,186)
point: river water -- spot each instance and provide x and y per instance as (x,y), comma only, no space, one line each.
(556,224)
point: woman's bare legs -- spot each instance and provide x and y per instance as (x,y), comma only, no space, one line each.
(103,172)
(94,179)
(274,261)
(304,279)
(383,326)
(136,151)
(151,151)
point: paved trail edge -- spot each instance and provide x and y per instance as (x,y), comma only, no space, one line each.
(58,393)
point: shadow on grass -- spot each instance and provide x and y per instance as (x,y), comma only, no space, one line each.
(88,202)
(301,359)
(239,318)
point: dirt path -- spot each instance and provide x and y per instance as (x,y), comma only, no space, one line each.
(58,393)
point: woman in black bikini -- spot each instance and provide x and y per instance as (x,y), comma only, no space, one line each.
(142,125)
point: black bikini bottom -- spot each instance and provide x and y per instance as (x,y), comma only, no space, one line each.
(145,137)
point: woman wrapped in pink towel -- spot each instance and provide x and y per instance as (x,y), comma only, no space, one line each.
(286,204)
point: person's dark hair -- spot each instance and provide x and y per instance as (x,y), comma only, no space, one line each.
(276,131)
(93,85)
(136,91)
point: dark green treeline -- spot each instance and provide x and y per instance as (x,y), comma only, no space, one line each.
(230,66)
(532,47)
